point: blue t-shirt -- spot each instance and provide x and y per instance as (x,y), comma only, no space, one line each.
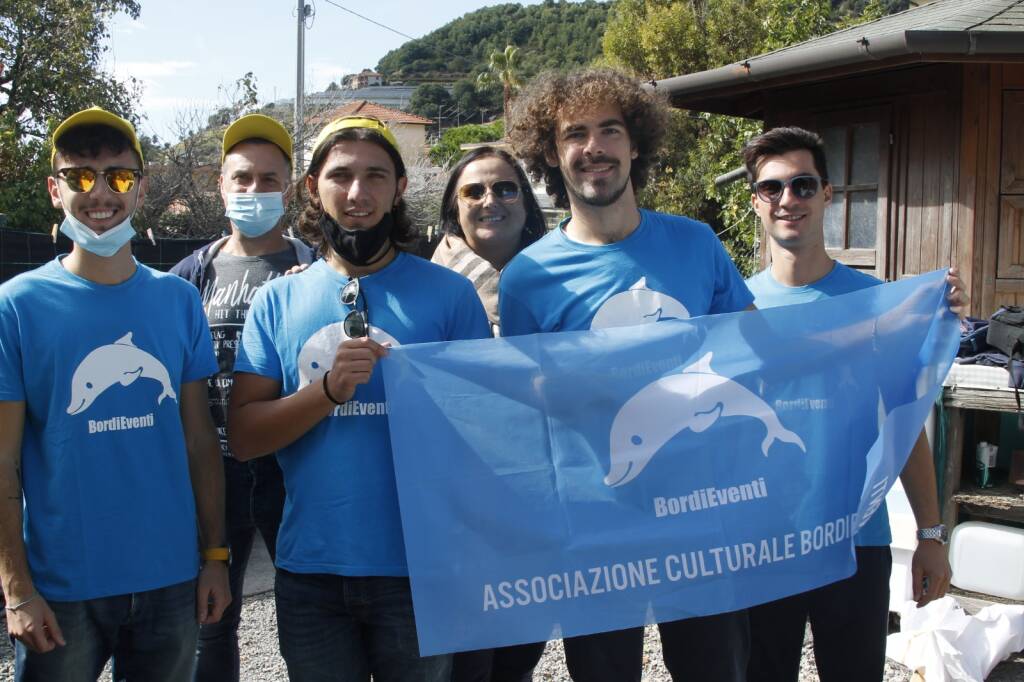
(109,507)
(341,511)
(670,267)
(768,293)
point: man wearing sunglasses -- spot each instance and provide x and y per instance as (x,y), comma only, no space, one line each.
(623,266)
(256,164)
(790,194)
(107,452)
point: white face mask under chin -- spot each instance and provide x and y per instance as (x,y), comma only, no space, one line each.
(104,245)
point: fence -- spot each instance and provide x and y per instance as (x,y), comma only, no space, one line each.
(22,251)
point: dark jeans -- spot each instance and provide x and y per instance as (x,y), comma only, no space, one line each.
(253,501)
(506,664)
(849,621)
(707,649)
(150,635)
(341,629)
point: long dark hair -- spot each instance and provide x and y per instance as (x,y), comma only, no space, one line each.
(535,226)
(403,234)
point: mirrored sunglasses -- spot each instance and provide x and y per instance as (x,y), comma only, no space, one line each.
(119,180)
(356,324)
(801,186)
(505,191)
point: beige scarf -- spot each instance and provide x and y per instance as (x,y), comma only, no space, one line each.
(454,254)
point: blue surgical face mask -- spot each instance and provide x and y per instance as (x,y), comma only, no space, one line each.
(254,213)
(106,244)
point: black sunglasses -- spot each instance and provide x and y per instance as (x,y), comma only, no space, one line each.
(357,323)
(83,179)
(802,187)
(505,191)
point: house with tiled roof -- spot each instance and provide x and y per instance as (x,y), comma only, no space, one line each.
(409,129)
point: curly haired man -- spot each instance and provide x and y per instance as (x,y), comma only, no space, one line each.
(593,136)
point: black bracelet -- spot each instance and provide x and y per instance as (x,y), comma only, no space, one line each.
(327,392)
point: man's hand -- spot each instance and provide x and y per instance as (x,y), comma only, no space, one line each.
(35,626)
(296,269)
(930,571)
(353,365)
(957,298)
(212,592)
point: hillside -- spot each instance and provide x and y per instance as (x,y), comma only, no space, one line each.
(551,34)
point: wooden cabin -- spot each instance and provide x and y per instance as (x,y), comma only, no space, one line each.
(922,113)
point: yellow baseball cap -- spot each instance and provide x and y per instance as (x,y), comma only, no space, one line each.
(95,116)
(260,127)
(356,122)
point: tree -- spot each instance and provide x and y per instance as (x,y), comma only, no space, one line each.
(448,150)
(472,100)
(50,54)
(428,99)
(503,68)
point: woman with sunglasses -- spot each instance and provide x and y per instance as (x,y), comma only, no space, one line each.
(307,386)
(488,215)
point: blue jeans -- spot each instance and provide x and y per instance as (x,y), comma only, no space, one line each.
(150,635)
(344,629)
(253,501)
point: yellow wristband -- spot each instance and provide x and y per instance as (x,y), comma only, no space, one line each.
(216,554)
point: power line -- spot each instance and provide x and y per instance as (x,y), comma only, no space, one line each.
(388,28)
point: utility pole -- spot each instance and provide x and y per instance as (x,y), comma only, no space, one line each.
(302,11)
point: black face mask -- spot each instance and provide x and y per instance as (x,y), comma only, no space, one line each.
(358,247)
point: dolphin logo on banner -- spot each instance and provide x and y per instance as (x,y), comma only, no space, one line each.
(121,362)
(694,399)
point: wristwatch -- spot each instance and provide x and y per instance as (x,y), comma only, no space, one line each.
(937,533)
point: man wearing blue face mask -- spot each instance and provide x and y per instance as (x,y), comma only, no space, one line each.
(111,486)
(255,169)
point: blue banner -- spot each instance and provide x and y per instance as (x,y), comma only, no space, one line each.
(563,484)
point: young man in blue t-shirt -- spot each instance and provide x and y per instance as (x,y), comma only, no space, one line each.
(107,452)
(789,178)
(307,386)
(256,165)
(593,135)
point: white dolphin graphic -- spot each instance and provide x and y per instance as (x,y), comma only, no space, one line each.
(121,362)
(317,354)
(694,400)
(638,305)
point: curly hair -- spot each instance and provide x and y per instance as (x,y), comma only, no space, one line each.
(403,234)
(534,118)
(535,227)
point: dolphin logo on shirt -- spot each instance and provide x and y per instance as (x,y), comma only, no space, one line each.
(638,305)
(317,354)
(121,362)
(694,399)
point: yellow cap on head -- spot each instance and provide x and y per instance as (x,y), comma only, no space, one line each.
(260,127)
(95,116)
(356,122)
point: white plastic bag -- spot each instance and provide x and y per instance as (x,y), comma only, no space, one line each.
(942,643)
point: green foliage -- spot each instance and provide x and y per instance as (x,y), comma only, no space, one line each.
(429,99)
(472,100)
(503,69)
(553,34)
(50,52)
(446,152)
(663,38)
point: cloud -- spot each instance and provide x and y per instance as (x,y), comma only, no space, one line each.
(320,74)
(147,71)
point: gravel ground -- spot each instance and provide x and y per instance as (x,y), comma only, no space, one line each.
(261,661)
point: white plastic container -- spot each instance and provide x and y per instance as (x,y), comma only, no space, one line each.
(988,558)
(904,542)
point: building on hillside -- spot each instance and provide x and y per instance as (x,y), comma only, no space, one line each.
(410,130)
(364,79)
(922,115)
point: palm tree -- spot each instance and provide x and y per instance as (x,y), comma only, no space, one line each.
(503,68)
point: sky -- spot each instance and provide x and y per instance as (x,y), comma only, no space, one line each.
(188,54)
